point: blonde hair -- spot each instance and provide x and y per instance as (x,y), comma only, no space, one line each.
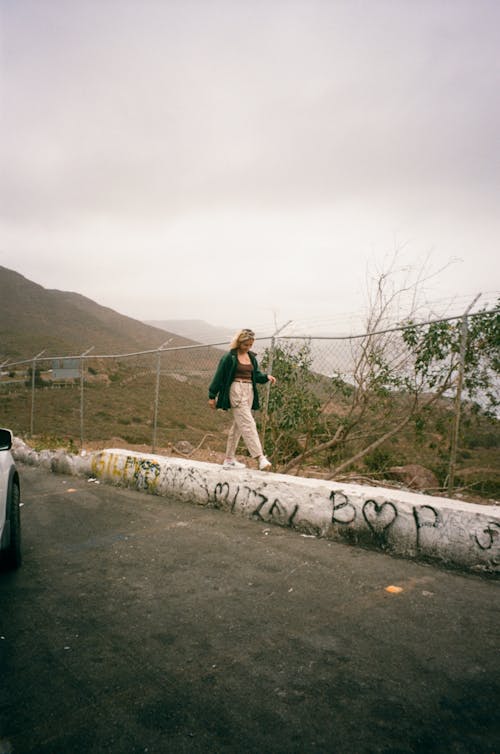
(242,336)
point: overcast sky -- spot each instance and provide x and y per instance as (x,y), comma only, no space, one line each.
(250,162)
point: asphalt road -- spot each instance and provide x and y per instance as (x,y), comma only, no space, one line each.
(136,624)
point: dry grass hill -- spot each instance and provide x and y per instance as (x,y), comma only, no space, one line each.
(119,393)
(33,318)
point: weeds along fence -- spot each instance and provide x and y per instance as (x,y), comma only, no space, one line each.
(90,395)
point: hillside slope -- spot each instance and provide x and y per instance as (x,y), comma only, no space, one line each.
(33,318)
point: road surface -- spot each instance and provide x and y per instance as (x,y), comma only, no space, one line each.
(137,624)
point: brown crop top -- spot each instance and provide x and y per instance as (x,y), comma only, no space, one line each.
(243,372)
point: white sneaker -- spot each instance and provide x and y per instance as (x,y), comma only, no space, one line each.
(264,463)
(232,463)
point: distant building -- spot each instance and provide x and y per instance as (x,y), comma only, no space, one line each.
(65,369)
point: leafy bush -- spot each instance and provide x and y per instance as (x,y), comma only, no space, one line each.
(379,460)
(39,381)
(294,407)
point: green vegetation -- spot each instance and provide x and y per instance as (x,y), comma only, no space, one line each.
(390,418)
(294,405)
(36,378)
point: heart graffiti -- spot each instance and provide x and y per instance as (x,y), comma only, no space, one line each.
(379,516)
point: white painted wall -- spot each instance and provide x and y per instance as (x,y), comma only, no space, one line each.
(403,523)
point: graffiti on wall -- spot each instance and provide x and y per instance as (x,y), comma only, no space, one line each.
(488,540)
(144,472)
(260,506)
(336,515)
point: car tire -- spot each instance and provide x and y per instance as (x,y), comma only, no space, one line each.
(12,554)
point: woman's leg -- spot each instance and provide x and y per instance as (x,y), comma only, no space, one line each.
(241,396)
(233,439)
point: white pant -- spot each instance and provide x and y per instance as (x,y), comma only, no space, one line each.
(241,397)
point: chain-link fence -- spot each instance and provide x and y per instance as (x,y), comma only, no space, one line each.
(148,396)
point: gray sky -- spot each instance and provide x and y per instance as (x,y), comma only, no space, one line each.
(248,162)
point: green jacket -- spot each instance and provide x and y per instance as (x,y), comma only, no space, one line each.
(221,383)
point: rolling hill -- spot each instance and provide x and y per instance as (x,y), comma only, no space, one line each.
(119,392)
(33,318)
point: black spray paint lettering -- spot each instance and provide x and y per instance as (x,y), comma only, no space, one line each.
(276,510)
(489,537)
(343,511)
(174,477)
(255,495)
(184,479)
(279,512)
(222,493)
(197,480)
(426,517)
(379,517)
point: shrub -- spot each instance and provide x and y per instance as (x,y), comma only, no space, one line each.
(379,460)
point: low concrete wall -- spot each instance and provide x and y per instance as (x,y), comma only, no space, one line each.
(408,524)
(53,460)
(404,523)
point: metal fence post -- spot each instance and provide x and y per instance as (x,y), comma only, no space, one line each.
(157,393)
(265,411)
(82,363)
(33,372)
(458,399)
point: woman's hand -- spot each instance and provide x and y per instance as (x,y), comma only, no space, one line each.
(211,402)
(271,379)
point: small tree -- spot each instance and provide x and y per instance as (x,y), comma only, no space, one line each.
(462,357)
(293,407)
(39,381)
(378,358)
(400,373)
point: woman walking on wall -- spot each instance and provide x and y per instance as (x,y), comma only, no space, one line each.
(234,386)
